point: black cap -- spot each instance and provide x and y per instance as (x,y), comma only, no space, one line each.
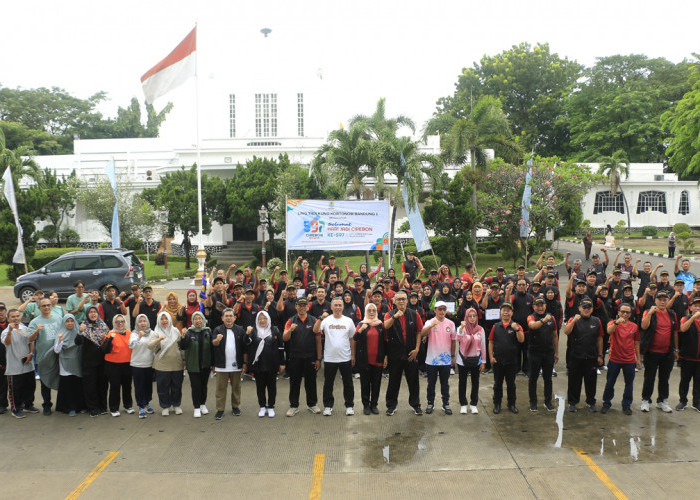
(586,302)
(250,290)
(238,271)
(551,275)
(591,272)
(262,280)
(539,301)
(679,282)
(500,268)
(697,280)
(418,280)
(595,256)
(148,287)
(283,271)
(521,266)
(134,286)
(311,285)
(2,305)
(652,285)
(291,287)
(536,283)
(696,300)
(433,271)
(617,271)
(410,253)
(110,286)
(331,257)
(302,301)
(377,291)
(415,294)
(627,286)
(358,278)
(238,284)
(507,304)
(218,279)
(662,295)
(603,286)
(663,273)
(579,282)
(495,285)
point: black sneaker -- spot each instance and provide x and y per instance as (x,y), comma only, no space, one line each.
(681,406)
(512,409)
(605,409)
(219,415)
(18,414)
(549,407)
(365,410)
(374,410)
(496,408)
(627,410)
(418,410)
(695,406)
(592,408)
(428,409)
(573,409)
(236,412)
(94,413)
(390,412)
(447,409)
(47,412)
(31,409)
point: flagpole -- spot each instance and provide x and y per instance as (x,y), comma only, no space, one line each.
(201,252)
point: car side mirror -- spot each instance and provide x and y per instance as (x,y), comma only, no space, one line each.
(43,270)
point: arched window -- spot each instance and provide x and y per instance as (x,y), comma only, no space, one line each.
(651,201)
(605,202)
(684,205)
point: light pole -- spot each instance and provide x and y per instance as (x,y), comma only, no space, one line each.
(263,222)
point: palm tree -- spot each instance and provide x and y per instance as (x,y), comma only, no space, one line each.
(379,126)
(344,160)
(486,127)
(400,157)
(613,167)
(19,161)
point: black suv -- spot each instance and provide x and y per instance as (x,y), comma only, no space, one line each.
(95,268)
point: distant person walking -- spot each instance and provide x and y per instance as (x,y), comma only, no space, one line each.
(588,244)
(671,245)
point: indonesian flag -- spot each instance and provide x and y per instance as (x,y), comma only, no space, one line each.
(173,71)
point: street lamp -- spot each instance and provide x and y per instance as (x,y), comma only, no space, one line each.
(263,222)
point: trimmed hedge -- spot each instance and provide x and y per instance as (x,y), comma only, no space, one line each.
(43,257)
(649,231)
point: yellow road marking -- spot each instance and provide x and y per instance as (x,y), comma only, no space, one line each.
(319,462)
(93,475)
(601,475)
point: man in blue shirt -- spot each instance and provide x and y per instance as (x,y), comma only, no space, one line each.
(683,273)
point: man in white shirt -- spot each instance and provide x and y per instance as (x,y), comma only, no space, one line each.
(230,361)
(19,370)
(339,354)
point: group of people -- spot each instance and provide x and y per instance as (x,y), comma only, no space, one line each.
(394,325)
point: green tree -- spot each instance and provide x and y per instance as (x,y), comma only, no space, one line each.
(129,122)
(531,82)
(614,167)
(60,194)
(619,107)
(177,194)
(379,126)
(682,125)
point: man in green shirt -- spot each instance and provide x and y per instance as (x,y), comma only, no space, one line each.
(76,303)
(31,306)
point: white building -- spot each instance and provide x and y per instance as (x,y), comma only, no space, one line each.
(654,198)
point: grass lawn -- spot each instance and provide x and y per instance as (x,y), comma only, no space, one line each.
(176,269)
(3,276)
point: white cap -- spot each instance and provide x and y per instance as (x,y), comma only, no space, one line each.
(440,303)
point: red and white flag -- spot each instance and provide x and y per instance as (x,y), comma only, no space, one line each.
(173,71)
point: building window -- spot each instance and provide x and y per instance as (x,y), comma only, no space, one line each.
(684,206)
(651,201)
(232,115)
(300,115)
(606,202)
(265,115)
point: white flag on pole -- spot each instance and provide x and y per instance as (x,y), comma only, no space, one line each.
(9,190)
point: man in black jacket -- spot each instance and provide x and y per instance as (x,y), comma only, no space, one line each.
(402,326)
(585,332)
(505,338)
(230,361)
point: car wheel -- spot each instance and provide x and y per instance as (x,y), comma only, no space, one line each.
(26,293)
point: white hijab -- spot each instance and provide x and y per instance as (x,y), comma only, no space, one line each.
(262,332)
(170,332)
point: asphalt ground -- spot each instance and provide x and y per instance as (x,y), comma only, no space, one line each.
(529,455)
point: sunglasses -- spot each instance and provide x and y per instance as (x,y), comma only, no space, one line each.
(625,312)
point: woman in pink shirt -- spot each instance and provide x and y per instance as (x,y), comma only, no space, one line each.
(471,359)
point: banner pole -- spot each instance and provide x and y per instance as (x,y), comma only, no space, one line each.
(286,236)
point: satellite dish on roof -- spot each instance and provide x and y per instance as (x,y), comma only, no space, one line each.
(266,31)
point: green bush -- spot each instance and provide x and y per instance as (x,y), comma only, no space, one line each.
(649,231)
(274,262)
(43,257)
(686,240)
(278,250)
(681,227)
(160,259)
(14,270)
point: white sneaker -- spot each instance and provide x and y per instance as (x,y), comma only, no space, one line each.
(357,375)
(178,410)
(165,412)
(129,410)
(292,411)
(315,409)
(327,411)
(262,412)
(349,411)
(473,409)
(204,410)
(463,409)
(644,406)
(197,413)
(271,412)
(115,413)
(597,370)
(452,371)
(663,406)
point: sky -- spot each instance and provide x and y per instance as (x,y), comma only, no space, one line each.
(408,51)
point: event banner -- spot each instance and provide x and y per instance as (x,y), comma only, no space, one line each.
(337,225)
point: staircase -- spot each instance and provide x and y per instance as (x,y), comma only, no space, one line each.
(236,252)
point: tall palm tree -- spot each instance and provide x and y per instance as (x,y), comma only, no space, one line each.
(20,161)
(400,157)
(344,160)
(486,127)
(614,167)
(379,126)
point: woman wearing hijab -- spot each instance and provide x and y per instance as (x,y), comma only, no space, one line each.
(167,364)
(191,307)
(142,365)
(177,311)
(426,300)
(70,385)
(470,359)
(198,359)
(370,356)
(93,332)
(349,308)
(117,367)
(266,349)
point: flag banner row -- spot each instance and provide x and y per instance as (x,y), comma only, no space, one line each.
(337,225)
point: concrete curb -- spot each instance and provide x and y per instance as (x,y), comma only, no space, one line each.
(641,252)
(170,279)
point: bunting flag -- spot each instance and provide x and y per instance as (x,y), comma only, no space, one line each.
(526,203)
(9,189)
(112,176)
(415,220)
(177,67)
